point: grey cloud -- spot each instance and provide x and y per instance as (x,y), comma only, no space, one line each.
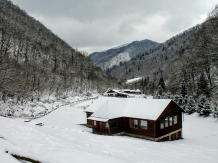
(90,24)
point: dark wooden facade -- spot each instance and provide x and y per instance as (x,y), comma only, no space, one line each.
(149,132)
(100,127)
(121,95)
(170,111)
(117,94)
(89,122)
(171,130)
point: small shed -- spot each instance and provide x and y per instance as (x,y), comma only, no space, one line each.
(153,119)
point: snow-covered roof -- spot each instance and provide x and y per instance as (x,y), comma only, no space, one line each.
(114,90)
(137,90)
(98,103)
(131,107)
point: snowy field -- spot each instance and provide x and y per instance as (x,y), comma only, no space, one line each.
(34,109)
(63,140)
(133,80)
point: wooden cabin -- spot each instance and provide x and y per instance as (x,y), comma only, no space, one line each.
(95,106)
(153,119)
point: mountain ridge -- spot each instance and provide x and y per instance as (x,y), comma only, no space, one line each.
(149,61)
(123,53)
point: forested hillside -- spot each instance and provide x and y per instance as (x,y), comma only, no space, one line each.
(198,66)
(192,79)
(36,62)
(113,57)
(155,59)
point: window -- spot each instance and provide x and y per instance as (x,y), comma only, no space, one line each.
(107,125)
(133,123)
(170,121)
(143,124)
(94,123)
(161,123)
(113,123)
(175,119)
(166,122)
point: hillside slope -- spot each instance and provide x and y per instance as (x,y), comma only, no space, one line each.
(36,62)
(116,56)
(155,60)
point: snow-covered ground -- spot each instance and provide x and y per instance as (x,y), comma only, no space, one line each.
(133,80)
(63,140)
(35,109)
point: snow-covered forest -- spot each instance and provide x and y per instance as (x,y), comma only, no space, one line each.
(147,62)
(35,63)
(191,80)
(45,85)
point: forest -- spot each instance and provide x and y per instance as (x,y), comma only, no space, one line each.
(34,62)
(191,80)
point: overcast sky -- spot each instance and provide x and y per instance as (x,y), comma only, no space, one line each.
(95,25)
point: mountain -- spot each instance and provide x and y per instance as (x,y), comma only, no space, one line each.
(156,59)
(183,67)
(34,62)
(197,67)
(118,55)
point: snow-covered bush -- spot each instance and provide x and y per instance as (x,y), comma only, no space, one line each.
(191,107)
(204,106)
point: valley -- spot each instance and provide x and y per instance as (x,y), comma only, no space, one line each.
(62,140)
(46,82)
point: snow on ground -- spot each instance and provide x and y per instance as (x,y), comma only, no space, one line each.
(133,80)
(63,140)
(27,109)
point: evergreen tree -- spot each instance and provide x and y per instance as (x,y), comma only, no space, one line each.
(207,110)
(180,101)
(162,83)
(168,95)
(146,81)
(183,88)
(160,91)
(191,108)
(176,99)
(143,85)
(142,82)
(155,95)
(201,105)
(203,85)
(185,103)
(164,96)
(215,112)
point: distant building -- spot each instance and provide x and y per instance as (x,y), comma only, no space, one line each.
(126,93)
(153,119)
